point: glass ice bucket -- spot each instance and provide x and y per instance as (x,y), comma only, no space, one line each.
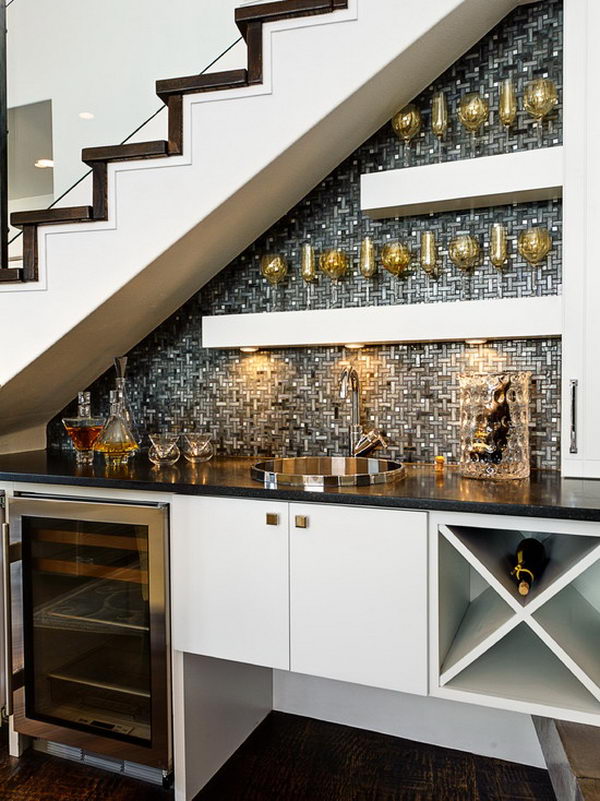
(494,425)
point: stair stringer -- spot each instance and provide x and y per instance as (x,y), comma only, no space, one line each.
(174,223)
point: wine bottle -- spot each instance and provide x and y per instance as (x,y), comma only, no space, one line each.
(530,560)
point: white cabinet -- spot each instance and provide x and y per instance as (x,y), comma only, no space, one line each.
(581,212)
(230,583)
(358,582)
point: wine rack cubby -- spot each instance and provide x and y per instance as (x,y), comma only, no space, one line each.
(538,654)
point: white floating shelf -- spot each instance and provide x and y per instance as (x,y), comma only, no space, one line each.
(419,322)
(469,183)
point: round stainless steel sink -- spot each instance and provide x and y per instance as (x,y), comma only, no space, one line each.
(326,471)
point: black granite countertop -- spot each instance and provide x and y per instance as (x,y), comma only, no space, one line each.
(545,494)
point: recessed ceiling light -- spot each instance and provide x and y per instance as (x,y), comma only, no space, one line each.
(475,341)
(44,164)
(354,345)
(249,349)
(86,115)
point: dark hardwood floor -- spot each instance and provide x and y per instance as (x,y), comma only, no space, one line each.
(290,758)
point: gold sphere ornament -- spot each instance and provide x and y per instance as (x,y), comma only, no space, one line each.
(464,252)
(274,268)
(407,123)
(473,111)
(396,258)
(540,98)
(334,263)
(534,245)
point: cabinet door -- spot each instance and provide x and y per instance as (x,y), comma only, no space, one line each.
(230,582)
(358,582)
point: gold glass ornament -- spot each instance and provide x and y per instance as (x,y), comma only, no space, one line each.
(334,263)
(464,252)
(274,268)
(535,244)
(439,118)
(396,258)
(473,111)
(498,245)
(368,258)
(308,267)
(429,253)
(539,100)
(367,263)
(407,124)
(308,270)
(507,107)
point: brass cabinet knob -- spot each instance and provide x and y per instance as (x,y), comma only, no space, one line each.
(272,519)
(301,521)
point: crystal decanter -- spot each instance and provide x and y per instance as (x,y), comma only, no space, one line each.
(117,442)
(84,429)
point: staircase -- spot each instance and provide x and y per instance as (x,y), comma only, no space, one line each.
(572,754)
(241,148)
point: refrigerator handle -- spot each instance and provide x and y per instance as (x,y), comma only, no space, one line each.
(7,606)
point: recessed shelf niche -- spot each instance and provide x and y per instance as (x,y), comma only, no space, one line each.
(537,654)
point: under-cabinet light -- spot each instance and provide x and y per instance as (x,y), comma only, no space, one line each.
(354,345)
(475,341)
(249,349)
(44,164)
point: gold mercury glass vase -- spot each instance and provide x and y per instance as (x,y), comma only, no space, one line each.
(473,112)
(429,253)
(368,263)
(507,107)
(494,425)
(464,252)
(439,119)
(308,270)
(498,245)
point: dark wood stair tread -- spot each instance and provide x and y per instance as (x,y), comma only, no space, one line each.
(9,275)
(283,9)
(209,82)
(66,214)
(129,151)
(572,754)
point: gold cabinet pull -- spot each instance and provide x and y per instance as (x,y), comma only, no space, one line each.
(301,521)
(272,519)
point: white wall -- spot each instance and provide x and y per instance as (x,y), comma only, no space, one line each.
(464,727)
(105,58)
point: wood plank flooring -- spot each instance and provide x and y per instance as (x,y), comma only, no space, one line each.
(290,758)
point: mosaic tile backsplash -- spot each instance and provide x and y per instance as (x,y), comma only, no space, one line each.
(287,401)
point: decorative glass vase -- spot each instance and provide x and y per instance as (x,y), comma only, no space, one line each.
(494,425)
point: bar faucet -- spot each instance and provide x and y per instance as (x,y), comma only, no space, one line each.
(361,443)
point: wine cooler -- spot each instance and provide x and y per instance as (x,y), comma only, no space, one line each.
(87,635)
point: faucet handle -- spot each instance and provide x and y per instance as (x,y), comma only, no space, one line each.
(369,442)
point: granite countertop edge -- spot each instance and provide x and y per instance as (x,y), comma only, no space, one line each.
(582,503)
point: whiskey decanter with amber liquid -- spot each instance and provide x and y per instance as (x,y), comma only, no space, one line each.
(116,441)
(84,429)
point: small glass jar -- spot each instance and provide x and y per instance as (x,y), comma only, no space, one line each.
(494,425)
(197,447)
(164,451)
